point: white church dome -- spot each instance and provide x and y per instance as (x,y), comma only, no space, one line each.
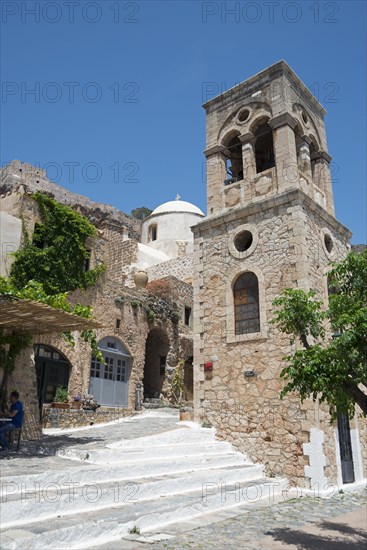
(177,206)
(168,228)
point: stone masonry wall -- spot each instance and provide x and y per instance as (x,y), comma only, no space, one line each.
(178,267)
(288,250)
(75,418)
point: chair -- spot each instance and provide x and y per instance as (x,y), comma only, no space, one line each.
(14,438)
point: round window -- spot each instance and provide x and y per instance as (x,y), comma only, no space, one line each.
(243,241)
(304,117)
(329,245)
(243,115)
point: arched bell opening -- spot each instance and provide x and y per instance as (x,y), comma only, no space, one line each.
(264,147)
(234,162)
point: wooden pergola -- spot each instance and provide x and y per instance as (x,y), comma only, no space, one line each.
(30,317)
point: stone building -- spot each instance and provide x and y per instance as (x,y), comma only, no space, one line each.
(270,225)
(144,333)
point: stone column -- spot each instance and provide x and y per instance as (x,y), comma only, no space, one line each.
(285,151)
(215,176)
(305,157)
(322,177)
(24,380)
(248,156)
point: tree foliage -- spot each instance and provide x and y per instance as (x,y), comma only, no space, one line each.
(33,290)
(56,254)
(141,213)
(332,370)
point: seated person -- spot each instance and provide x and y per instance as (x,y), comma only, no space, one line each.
(15,419)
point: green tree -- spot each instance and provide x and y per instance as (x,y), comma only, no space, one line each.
(333,370)
(141,212)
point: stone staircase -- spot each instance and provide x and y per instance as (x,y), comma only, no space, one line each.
(147,483)
(152,403)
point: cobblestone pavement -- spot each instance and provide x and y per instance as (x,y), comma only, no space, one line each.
(282,522)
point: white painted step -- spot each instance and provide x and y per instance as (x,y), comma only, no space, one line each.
(187,433)
(102,526)
(185,441)
(53,500)
(132,455)
(22,484)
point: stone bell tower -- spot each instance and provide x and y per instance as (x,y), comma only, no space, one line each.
(266,136)
(270,226)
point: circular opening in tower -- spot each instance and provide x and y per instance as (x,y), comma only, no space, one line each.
(329,245)
(304,117)
(243,241)
(243,116)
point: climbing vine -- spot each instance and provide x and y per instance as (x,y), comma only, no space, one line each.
(56,255)
(177,382)
(10,347)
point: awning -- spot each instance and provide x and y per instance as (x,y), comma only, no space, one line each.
(29,317)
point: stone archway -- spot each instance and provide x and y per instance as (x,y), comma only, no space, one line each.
(156,350)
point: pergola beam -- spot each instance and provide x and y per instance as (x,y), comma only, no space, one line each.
(30,317)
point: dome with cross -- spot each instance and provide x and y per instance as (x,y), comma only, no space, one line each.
(168,228)
(177,206)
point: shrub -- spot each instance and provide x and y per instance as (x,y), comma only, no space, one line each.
(160,288)
(61,395)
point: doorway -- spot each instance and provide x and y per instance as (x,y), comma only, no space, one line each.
(109,382)
(156,350)
(345,446)
(188,380)
(52,370)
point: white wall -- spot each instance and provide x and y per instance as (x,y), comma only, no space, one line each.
(10,237)
(171,227)
(148,257)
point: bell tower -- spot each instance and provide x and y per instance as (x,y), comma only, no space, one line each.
(266,136)
(270,226)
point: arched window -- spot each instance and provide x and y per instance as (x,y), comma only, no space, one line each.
(246,304)
(264,148)
(234,161)
(152,232)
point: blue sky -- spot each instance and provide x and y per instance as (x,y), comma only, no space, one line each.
(118,86)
